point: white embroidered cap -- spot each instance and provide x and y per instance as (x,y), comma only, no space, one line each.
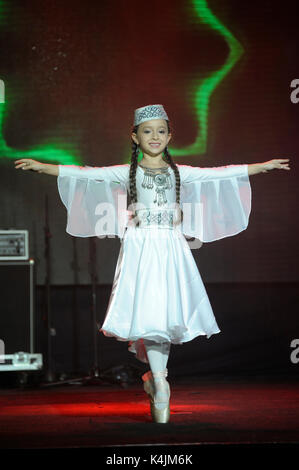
(147,113)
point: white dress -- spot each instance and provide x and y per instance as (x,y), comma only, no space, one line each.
(157,291)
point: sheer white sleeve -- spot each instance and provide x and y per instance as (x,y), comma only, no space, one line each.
(216,202)
(95,199)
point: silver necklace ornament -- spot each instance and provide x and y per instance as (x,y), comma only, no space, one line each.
(161,180)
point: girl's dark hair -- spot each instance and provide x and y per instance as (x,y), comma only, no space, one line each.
(133,168)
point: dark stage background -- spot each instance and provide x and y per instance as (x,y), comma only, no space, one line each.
(74,73)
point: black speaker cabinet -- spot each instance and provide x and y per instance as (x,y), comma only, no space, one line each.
(17,312)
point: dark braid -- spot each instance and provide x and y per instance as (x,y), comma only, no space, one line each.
(169,160)
(133,168)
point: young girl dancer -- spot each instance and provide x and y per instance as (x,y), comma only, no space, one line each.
(158,297)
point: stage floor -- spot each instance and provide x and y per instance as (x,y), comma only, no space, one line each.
(202,412)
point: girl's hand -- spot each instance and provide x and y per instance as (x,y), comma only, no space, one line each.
(29,164)
(278,163)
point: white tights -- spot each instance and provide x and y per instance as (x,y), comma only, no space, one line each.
(158,354)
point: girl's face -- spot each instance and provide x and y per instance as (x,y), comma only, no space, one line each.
(152,137)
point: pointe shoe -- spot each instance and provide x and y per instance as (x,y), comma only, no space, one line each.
(161,414)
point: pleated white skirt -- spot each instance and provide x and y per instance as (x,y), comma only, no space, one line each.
(157,292)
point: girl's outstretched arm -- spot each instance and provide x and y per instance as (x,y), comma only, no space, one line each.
(29,164)
(279,163)
(112,173)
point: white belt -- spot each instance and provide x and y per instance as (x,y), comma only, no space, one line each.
(157,218)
